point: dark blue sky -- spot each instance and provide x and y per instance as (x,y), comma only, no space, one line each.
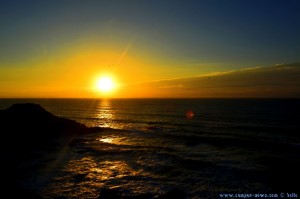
(221,34)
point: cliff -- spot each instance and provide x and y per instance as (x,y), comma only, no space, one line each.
(31,125)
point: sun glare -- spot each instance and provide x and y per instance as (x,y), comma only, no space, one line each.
(105,84)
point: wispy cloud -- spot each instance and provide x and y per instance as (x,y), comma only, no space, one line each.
(274,81)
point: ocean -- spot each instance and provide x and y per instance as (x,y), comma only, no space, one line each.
(191,148)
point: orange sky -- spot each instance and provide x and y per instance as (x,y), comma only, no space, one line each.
(161,49)
(74,71)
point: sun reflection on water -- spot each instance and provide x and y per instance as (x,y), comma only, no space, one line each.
(106,140)
(91,175)
(104,113)
(113,139)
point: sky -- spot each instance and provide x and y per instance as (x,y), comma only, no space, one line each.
(59,48)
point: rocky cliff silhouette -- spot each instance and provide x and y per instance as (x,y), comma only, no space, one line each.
(26,130)
(31,125)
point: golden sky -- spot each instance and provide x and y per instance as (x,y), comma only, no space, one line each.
(148,49)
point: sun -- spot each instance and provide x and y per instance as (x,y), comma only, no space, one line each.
(105,84)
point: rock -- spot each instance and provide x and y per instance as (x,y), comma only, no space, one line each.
(28,130)
(29,125)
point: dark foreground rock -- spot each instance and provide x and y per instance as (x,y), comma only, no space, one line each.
(27,130)
(30,125)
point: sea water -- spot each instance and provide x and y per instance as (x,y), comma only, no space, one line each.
(200,148)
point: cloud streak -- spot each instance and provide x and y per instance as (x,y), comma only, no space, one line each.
(279,81)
